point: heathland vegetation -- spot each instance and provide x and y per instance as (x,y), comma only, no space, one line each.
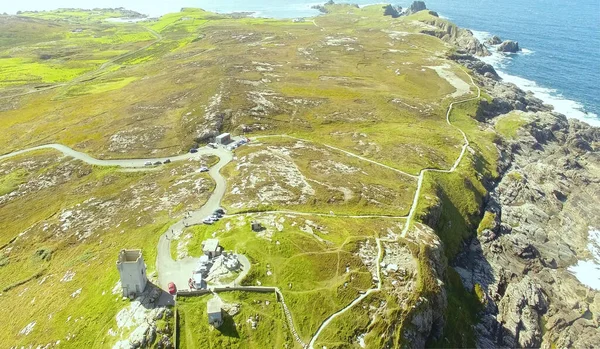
(362,99)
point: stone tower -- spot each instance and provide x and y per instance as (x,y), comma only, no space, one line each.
(132,270)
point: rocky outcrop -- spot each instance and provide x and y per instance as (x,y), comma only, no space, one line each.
(543,206)
(520,313)
(323,8)
(426,319)
(506,97)
(462,38)
(494,40)
(415,7)
(393,11)
(509,46)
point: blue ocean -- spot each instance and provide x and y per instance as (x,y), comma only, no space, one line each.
(560,61)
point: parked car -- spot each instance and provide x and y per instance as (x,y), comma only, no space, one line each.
(197,281)
(207,221)
(203,169)
(172,288)
(213,145)
(168,161)
(216,213)
(147,163)
(157,163)
(220,210)
(194,150)
(214,217)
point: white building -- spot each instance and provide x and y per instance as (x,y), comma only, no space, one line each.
(223,139)
(211,248)
(213,308)
(132,270)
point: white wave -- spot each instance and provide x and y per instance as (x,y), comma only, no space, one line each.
(588,272)
(526,52)
(481,35)
(570,108)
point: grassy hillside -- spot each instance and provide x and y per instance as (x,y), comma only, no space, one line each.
(363,98)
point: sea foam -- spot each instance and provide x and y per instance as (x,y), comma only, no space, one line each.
(588,272)
(570,108)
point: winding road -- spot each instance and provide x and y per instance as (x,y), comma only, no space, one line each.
(411,214)
(170,270)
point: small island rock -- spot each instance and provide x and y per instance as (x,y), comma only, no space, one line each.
(494,40)
(509,46)
(417,6)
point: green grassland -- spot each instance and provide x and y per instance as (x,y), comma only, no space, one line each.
(236,332)
(80,15)
(351,78)
(60,52)
(509,124)
(325,83)
(40,245)
(308,268)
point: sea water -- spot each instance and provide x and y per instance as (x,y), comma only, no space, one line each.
(560,61)
(588,271)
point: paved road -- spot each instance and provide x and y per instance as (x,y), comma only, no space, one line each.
(180,271)
(125,163)
(168,269)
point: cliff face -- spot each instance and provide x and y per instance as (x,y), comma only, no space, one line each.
(541,210)
(450,33)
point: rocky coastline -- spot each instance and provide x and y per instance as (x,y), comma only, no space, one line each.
(538,215)
(535,219)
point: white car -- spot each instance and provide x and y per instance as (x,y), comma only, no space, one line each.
(197,280)
(203,169)
(213,145)
(207,221)
(148,163)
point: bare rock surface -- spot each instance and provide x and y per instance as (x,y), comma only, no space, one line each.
(509,46)
(544,204)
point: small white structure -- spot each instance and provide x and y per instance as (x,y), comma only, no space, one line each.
(213,308)
(198,281)
(211,248)
(132,270)
(223,139)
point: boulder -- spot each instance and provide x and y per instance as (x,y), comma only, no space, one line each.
(393,11)
(494,40)
(417,6)
(520,311)
(509,46)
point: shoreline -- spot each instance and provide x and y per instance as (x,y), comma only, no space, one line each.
(570,108)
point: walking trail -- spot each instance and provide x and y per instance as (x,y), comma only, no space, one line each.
(170,270)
